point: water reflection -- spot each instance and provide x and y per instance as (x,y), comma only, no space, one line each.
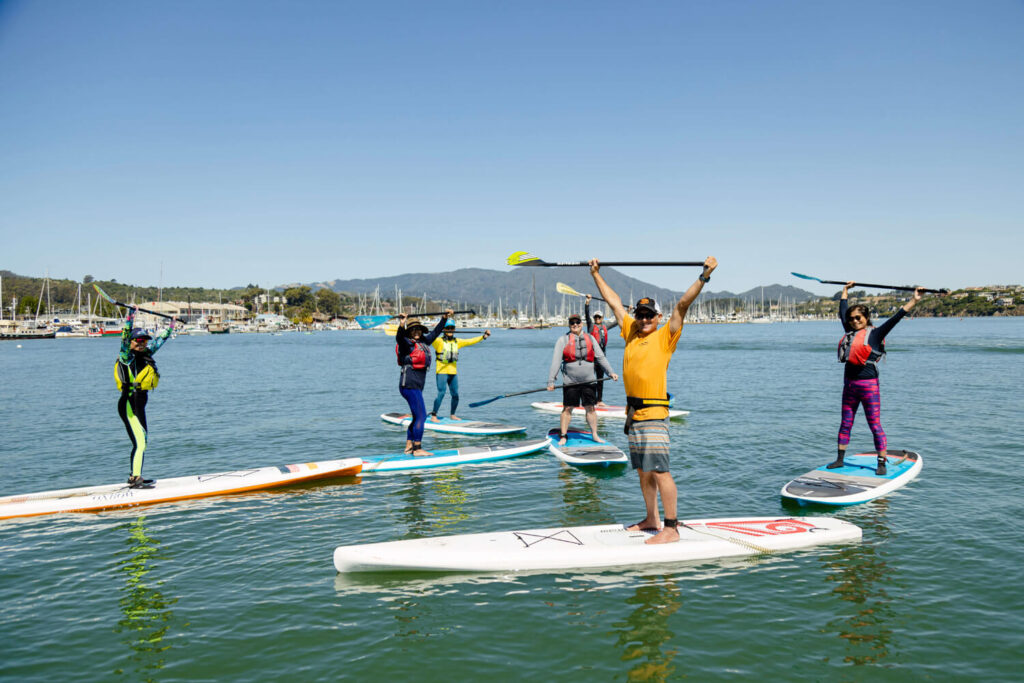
(863,576)
(147,614)
(434,504)
(644,633)
(581,494)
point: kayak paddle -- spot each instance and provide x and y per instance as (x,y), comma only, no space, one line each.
(533,391)
(523,258)
(123,305)
(566,289)
(867,284)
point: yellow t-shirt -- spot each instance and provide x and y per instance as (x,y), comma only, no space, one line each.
(645,365)
(439,344)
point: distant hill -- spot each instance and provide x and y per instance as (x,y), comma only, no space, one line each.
(480,286)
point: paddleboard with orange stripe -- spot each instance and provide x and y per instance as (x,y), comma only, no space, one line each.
(111,496)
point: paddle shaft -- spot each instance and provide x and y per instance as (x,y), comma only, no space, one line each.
(533,391)
(423,315)
(905,289)
(538,262)
(144,310)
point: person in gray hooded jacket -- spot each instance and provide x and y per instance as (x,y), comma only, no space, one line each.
(576,355)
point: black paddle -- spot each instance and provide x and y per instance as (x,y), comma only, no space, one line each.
(867,284)
(123,305)
(431,313)
(533,391)
(523,258)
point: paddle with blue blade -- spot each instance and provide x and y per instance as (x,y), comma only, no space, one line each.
(868,284)
(523,258)
(533,391)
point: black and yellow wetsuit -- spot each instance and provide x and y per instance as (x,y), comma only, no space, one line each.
(135,375)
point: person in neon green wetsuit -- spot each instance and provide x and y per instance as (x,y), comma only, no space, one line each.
(447,349)
(135,374)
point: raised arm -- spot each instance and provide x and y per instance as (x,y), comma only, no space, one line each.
(675,323)
(607,293)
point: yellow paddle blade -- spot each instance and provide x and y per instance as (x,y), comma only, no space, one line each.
(563,288)
(521,258)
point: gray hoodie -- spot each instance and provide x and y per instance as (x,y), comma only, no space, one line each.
(578,370)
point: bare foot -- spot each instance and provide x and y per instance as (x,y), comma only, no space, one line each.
(433,418)
(457,419)
(645,525)
(597,438)
(419,453)
(666,535)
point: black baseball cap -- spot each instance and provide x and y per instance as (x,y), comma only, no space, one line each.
(648,303)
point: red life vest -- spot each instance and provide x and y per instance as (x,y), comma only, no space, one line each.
(601,334)
(418,358)
(854,348)
(569,352)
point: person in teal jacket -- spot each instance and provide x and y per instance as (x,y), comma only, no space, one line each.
(136,375)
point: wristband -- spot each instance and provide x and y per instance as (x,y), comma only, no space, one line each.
(704,278)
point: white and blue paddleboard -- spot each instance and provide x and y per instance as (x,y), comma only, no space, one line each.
(593,547)
(855,482)
(582,450)
(451,457)
(450,426)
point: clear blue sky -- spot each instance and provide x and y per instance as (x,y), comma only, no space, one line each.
(275,142)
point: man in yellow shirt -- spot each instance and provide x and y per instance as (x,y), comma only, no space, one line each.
(447,348)
(645,376)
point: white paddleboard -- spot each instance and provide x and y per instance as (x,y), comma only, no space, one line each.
(607,412)
(855,482)
(582,450)
(92,498)
(590,547)
(450,426)
(451,457)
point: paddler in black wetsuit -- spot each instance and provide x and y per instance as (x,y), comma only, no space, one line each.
(135,374)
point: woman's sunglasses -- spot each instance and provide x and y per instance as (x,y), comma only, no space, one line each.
(855,317)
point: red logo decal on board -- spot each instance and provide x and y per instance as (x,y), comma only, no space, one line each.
(763,527)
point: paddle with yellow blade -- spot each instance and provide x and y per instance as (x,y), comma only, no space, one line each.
(566,289)
(524,258)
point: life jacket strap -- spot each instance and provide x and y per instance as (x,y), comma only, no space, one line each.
(635,403)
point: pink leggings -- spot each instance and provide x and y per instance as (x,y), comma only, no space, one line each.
(855,393)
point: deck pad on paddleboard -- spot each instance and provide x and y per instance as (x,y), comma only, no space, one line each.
(562,548)
(582,450)
(855,482)
(607,412)
(451,457)
(450,426)
(92,498)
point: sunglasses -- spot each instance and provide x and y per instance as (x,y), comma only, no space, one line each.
(855,317)
(646,315)
(575,322)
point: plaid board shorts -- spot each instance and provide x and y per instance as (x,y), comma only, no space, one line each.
(648,446)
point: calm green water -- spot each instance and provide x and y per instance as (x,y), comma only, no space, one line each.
(243,588)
